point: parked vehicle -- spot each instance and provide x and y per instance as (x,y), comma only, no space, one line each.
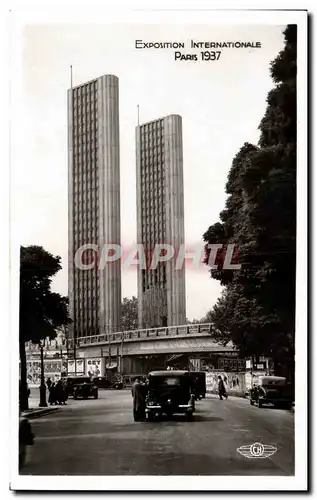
(272,391)
(118,384)
(71,381)
(169,393)
(102,382)
(85,390)
(199,384)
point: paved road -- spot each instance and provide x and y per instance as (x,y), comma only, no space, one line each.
(100,437)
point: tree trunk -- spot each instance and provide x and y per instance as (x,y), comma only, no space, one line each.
(23,389)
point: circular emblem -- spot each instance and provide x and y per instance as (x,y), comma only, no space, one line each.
(257,450)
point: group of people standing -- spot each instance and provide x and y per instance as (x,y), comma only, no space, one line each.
(58,393)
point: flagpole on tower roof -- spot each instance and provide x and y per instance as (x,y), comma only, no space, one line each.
(72,110)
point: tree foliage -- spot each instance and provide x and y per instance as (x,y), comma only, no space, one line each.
(257,308)
(41,310)
(129,314)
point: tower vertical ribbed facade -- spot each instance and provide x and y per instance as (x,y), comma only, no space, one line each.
(160,220)
(174,214)
(94,204)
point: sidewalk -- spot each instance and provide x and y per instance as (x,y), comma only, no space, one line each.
(39,412)
(34,410)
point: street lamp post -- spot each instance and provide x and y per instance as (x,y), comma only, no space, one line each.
(43,402)
(121,357)
(75,353)
(109,345)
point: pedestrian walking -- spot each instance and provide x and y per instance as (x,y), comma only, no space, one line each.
(65,390)
(48,383)
(139,395)
(221,388)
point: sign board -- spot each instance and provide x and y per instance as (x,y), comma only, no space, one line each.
(71,366)
(248,364)
(53,369)
(260,366)
(234,382)
(231,365)
(95,367)
(248,381)
(209,380)
(80,366)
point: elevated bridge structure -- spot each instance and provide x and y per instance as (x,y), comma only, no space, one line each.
(197,338)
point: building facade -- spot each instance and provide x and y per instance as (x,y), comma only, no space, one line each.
(160,220)
(94,205)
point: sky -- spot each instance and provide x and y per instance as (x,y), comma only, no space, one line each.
(221,104)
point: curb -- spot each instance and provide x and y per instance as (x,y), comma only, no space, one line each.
(36,413)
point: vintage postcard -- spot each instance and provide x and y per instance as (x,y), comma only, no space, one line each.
(158,194)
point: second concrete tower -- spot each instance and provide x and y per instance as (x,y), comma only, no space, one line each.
(160,219)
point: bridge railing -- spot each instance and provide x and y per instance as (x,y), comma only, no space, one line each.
(145,334)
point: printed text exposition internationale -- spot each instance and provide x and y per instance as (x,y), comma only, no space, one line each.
(141,44)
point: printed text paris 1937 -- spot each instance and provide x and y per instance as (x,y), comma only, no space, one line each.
(205,54)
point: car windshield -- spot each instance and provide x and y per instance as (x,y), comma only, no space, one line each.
(165,381)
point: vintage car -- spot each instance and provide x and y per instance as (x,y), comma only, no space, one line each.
(85,390)
(102,382)
(199,384)
(169,393)
(71,381)
(272,391)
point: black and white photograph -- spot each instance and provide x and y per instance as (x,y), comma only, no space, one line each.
(158,289)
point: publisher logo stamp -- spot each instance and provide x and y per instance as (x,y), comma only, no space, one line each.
(257,450)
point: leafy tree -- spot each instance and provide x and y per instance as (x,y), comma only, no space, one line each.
(257,308)
(129,314)
(192,322)
(41,310)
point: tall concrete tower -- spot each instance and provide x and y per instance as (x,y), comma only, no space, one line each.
(94,204)
(160,219)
